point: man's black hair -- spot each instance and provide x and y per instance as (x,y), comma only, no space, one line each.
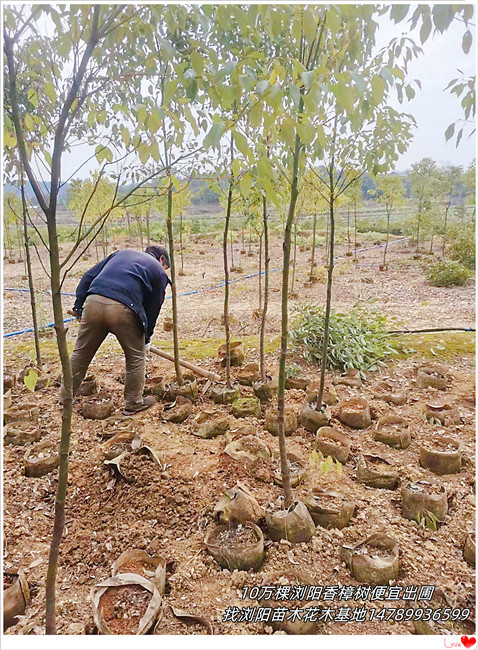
(158,252)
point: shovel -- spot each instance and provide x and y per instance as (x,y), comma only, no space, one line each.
(212,376)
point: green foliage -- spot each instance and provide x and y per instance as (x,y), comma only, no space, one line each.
(12,208)
(461,246)
(30,380)
(92,197)
(448,273)
(357,339)
(293,370)
(427,519)
(319,274)
(325,465)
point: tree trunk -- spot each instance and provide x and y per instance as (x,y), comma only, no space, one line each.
(294,260)
(180,240)
(348,229)
(96,247)
(326,239)
(148,232)
(232,250)
(8,241)
(355,230)
(169,222)
(312,259)
(388,237)
(328,302)
(60,329)
(431,241)
(259,274)
(250,240)
(30,276)
(226,272)
(323,365)
(262,355)
(105,240)
(129,226)
(444,230)
(289,497)
(18,228)
(140,232)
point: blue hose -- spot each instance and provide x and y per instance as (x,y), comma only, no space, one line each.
(190,293)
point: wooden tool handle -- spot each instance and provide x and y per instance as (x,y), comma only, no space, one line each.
(199,371)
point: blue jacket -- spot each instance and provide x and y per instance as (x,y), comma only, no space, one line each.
(135,279)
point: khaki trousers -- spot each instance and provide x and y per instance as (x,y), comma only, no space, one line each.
(100,316)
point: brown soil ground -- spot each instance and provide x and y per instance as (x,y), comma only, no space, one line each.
(167,510)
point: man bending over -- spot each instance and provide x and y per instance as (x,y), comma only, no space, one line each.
(123,295)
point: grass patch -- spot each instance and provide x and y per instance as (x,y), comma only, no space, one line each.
(435,345)
(206,348)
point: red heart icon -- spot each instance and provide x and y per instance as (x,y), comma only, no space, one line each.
(468,641)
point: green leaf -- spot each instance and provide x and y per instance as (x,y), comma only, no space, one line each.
(176,182)
(154,121)
(264,168)
(287,132)
(192,89)
(236,168)
(306,133)
(343,96)
(399,12)
(333,20)
(262,87)
(29,122)
(467,41)
(449,132)
(245,185)
(213,138)
(426,28)
(30,380)
(255,114)
(143,152)
(271,194)
(442,16)
(9,139)
(33,97)
(50,91)
(378,88)
(191,119)
(241,143)
(320,135)
(154,150)
(307,78)
(276,22)
(294,92)
(168,92)
(125,136)
(142,115)
(310,25)
(197,63)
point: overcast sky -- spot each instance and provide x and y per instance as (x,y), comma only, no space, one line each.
(433,107)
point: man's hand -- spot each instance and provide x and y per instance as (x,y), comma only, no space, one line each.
(147,347)
(74,313)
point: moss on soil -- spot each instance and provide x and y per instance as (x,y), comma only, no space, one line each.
(204,348)
(436,345)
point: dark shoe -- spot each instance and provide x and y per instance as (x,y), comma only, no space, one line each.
(147,402)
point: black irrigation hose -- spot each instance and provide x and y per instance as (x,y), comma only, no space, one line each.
(435,329)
